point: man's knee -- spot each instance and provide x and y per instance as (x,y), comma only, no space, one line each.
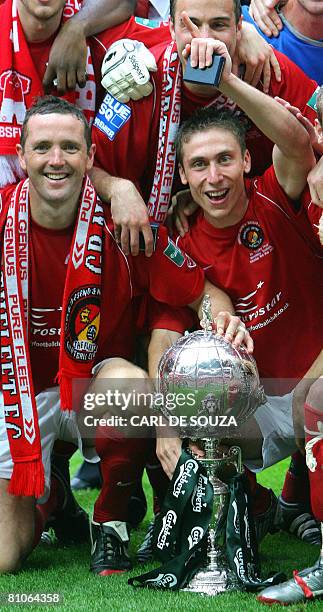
(17,522)
(121,369)
(11,560)
(315,395)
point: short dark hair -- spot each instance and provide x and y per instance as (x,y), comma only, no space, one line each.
(47,105)
(236,6)
(319,105)
(207,119)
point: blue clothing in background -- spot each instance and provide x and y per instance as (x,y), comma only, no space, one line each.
(305,52)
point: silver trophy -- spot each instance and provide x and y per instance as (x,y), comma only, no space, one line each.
(225,383)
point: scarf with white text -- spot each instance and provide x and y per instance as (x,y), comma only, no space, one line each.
(80,324)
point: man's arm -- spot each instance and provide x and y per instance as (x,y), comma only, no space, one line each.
(293,156)
(128,209)
(67,59)
(257,56)
(98,15)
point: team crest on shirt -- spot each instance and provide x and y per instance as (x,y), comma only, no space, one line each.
(82,323)
(112,116)
(251,236)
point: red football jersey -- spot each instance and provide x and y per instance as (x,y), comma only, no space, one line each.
(269,265)
(169,276)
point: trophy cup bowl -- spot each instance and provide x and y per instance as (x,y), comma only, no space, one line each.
(224,382)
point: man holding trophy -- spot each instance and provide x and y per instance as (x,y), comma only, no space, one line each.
(254,240)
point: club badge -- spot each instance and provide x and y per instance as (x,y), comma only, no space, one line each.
(251,235)
(82,323)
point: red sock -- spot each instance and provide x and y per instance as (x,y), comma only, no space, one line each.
(296,485)
(314,457)
(122,465)
(260,496)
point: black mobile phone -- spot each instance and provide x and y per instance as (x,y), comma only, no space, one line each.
(211,75)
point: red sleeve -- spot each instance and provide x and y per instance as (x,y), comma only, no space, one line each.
(162,316)
(300,212)
(170,276)
(295,86)
(268,186)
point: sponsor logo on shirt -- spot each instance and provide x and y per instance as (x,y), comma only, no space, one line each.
(112,116)
(312,100)
(40,326)
(174,253)
(250,311)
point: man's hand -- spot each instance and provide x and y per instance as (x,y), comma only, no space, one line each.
(264,13)
(181,208)
(315,183)
(201,50)
(67,59)
(305,123)
(258,57)
(130,216)
(233,330)
(168,451)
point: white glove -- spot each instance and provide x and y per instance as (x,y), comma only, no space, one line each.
(125,70)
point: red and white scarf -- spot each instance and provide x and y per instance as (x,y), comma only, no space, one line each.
(20,84)
(170,115)
(79,325)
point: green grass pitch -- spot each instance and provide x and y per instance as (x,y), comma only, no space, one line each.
(66,570)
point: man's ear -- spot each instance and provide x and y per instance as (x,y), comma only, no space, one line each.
(182,174)
(319,131)
(90,157)
(172,29)
(21,157)
(247,162)
(238,27)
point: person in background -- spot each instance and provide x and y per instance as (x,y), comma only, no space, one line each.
(295,28)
